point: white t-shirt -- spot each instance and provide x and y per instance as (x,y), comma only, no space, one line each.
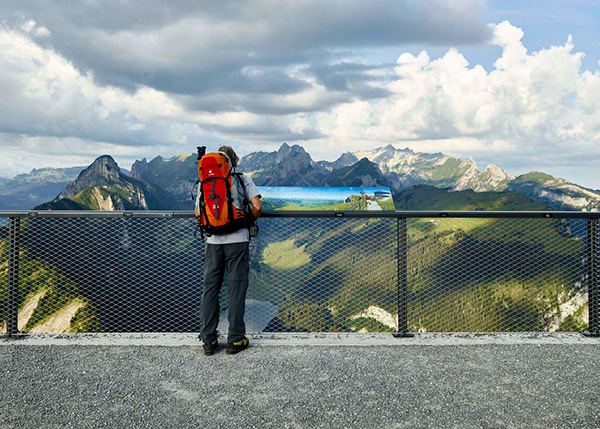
(241,235)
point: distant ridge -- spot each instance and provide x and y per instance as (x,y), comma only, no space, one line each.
(361,173)
(165,183)
(26,191)
(402,168)
(288,166)
(175,176)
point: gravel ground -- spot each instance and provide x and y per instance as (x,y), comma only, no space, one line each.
(462,386)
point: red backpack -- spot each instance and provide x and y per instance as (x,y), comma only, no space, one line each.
(222,205)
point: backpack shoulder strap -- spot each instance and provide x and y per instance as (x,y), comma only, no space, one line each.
(252,226)
(240,180)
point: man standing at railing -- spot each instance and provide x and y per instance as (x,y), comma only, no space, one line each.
(226,251)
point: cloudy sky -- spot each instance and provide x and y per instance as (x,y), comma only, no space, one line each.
(516,83)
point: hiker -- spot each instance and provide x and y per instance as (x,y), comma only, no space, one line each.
(226,222)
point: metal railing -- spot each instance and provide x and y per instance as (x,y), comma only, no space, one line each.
(315,271)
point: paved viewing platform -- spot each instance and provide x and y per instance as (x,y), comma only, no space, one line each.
(302,380)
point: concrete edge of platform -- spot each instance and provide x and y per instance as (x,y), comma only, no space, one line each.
(301,339)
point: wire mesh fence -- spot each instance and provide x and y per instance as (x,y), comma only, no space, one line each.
(311,274)
(497,275)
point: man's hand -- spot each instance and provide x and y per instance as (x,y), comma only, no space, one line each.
(256,207)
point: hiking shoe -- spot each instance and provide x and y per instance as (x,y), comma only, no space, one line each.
(237,346)
(209,349)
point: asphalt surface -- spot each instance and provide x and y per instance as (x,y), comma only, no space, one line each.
(266,386)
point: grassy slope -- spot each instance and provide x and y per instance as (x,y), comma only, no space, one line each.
(165,172)
(387,204)
(317,206)
(114,192)
(425,197)
(445,175)
(497,296)
(62,204)
(534,177)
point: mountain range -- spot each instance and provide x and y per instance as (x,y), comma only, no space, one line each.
(28,190)
(166,183)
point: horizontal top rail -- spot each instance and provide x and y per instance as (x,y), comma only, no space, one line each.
(307,214)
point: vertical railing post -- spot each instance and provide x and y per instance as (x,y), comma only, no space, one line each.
(402,279)
(593,279)
(12,296)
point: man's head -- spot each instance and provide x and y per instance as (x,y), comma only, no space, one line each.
(228,150)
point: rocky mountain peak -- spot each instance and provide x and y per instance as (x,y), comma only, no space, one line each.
(286,152)
(497,172)
(284,149)
(139,168)
(345,159)
(103,170)
(391,150)
(288,166)
(361,173)
(384,155)
(364,162)
(469,168)
(104,166)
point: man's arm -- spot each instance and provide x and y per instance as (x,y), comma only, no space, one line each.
(253,194)
(256,207)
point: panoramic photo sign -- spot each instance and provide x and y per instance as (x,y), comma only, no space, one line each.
(326,198)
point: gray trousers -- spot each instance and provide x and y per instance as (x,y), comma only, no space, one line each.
(235,258)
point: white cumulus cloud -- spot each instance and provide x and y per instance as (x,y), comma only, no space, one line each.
(43,94)
(537,105)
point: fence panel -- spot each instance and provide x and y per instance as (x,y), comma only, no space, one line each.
(111,274)
(326,274)
(312,274)
(497,275)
